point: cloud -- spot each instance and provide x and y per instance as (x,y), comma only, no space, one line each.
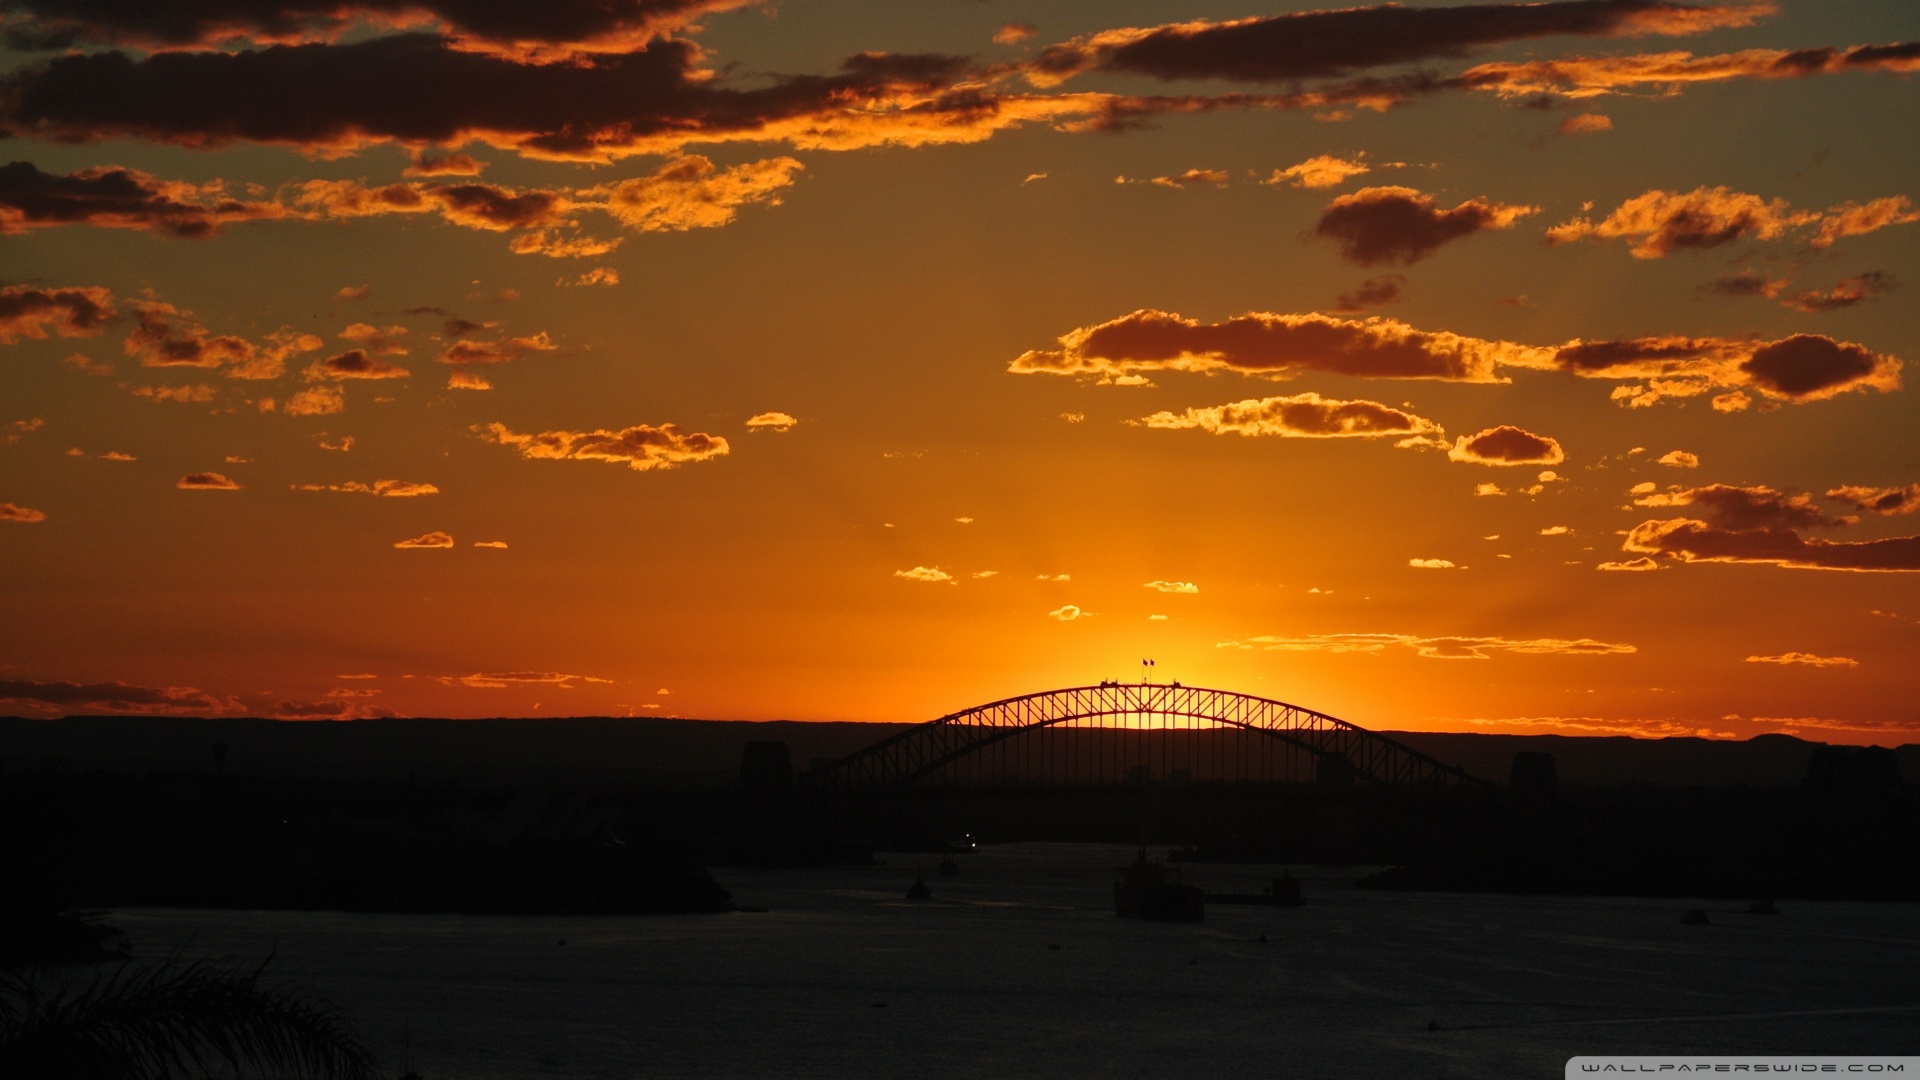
(355,364)
(1432,564)
(771,421)
(1747,283)
(112,197)
(329,710)
(1890,500)
(379,341)
(1277,347)
(1320,171)
(1371,293)
(1805,658)
(1391,225)
(1555,530)
(1068,613)
(322,400)
(1014,33)
(167,336)
(501,680)
(692,193)
(206,481)
(467,353)
(641,447)
(31,312)
(1761,525)
(1584,124)
(1800,368)
(1217,177)
(1187,587)
(1680,459)
(111,697)
(444,165)
(20,515)
(432,540)
(390,488)
(1585,77)
(929,574)
(1437,648)
(498,544)
(532,33)
(1054,577)
(1488,489)
(1303,416)
(197,395)
(599,275)
(1507,445)
(1845,293)
(353,292)
(1731,403)
(1659,223)
(1328,44)
(1641,563)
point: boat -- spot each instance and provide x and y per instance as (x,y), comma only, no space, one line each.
(1151,890)
(919,890)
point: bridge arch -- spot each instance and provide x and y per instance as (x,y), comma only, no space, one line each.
(1115,733)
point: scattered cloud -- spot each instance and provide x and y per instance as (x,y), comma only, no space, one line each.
(929,574)
(1555,530)
(1680,459)
(1507,445)
(982,575)
(641,447)
(206,481)
(1320,171)
(111,697)
(1583,78)
(194,395)
(1303,416)
(1331,44)
(1068,613)
(112,197)
(1658,223)
(1761,525)
(342,444)
(599,275)
(1845,293)
(322,400)
(28,311)
(1054,577)
(1014,33)
(389,488)
(444,165)
(1033,178)
(426,541)
(355,364)
(497,544)
(501,680)
(1641,563)
(353,292)
(1887,500)
(1432,564)
(1388,225)
(466,354)
(1437,648)
(1371,293)
(1584,124)
(20,515)
(1805,658)
(771,421)
(1186,587)
(167,336)
(1747,283)
(1488,489)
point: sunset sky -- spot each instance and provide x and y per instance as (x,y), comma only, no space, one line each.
(1511,367)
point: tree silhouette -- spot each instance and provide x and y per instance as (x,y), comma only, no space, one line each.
(172,1022)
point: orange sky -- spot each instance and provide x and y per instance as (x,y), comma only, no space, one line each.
(1507,368)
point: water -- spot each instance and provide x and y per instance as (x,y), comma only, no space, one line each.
(842,977)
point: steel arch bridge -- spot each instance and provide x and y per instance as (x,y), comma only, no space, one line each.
(1120,733)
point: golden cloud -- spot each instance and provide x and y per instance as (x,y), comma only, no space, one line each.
(1437,648)
(1507,445)
(389,488)
(932,575)
(1808,659)
(771,421)
(206,481)
(1303,416)
(642,447)
(426,541)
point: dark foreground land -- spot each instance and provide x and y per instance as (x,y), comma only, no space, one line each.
(623,816)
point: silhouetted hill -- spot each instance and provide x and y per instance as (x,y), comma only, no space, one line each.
(672,754)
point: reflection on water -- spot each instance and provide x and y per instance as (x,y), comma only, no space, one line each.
(1017,967)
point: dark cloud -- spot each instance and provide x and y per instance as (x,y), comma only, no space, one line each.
(206,481)
(31,312)
(549,30)
(1801,368)
(1274,346)
(1845,293)
(1507,445)
(113,197)
(1747,283)
(21,515)
(1892,500)
(1688,540)
(1586,77)
(167,336)
(1371,293)
(415,89)
(356,364)
(1739,508)
(444,165)
(1400,225)
(1327,44)
(1659,223)
(114,697)
(1808,366)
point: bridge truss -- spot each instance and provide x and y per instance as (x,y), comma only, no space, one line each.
(1121,733)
